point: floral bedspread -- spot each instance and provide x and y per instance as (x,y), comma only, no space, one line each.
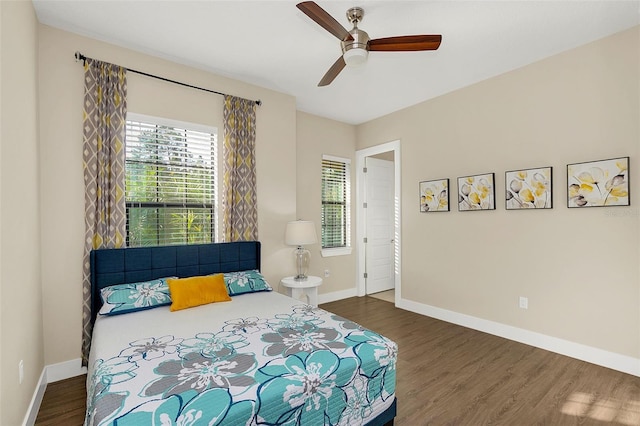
(297,365)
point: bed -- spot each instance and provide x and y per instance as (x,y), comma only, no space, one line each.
(261,358)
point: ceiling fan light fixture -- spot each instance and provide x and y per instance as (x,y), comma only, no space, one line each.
(355,56)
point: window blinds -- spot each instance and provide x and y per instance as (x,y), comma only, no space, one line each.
(170,184)
(335,202)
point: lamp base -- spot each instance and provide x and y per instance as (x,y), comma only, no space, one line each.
(302,256)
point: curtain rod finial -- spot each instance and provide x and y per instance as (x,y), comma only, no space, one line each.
(80,57)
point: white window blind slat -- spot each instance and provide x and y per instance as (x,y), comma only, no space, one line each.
(335,215)
(171,184)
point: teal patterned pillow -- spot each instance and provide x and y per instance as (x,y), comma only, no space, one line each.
(245,282)
(125,298)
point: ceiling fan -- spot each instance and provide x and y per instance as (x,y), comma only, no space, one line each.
(356,43)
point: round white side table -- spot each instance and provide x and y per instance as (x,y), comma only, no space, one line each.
(308,287)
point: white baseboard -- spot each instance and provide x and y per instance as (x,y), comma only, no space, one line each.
(36,400)
(51,373)
(623,363)
(337,295)
(65,370)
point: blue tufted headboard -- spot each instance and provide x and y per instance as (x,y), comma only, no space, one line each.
(130,265)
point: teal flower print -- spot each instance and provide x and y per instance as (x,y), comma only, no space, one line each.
(210,408)
(247,325)
(107,373)
(358,406)
(214,345)
(151,348)
(382,373)
(294,321)
(312,386)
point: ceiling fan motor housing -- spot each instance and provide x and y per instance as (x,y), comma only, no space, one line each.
(355,51)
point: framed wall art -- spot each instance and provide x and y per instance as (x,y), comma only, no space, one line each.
(600,183)
(476,192)
(528,189)
(434,195)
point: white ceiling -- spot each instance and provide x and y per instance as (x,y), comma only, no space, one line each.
(274,45)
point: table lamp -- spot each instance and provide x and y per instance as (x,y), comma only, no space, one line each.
(299,233)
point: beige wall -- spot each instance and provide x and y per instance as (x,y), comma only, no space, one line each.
(579,268)
(317,136)
(21,303)
(61,91)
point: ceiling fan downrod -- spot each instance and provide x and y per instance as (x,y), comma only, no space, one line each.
(360,39)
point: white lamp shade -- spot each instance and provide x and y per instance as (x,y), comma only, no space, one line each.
(299,233)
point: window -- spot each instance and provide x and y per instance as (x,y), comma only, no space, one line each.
(170,182)
(336,208)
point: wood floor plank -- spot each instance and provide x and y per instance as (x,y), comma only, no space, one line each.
(64,403)
(451,375)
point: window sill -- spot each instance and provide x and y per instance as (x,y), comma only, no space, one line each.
(342,251)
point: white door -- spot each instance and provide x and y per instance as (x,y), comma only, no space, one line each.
(379,259)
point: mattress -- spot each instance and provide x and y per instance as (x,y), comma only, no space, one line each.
(262,358)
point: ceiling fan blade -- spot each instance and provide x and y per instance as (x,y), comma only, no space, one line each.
(333,72)
(405,43)
(326,21)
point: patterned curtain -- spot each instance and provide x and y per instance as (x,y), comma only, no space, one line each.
(239,199)
(104,118)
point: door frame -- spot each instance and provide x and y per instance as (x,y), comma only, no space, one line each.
(361,217)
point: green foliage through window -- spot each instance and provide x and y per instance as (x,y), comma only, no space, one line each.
(170,184)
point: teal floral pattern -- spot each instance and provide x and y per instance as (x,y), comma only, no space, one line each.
(245,282)
(214,345)
(151,348)
(310,386)
(303,367)
(382,373)
(126,298)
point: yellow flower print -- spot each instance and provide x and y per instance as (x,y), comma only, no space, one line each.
(529,189)
(585,188)
(602,183)
(527,196)
(619,192)
(434,197)
(574,190)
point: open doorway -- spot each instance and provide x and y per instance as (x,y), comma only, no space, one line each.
(378,225)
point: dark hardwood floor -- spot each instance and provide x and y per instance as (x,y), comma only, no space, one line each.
(64,403)
(451,375)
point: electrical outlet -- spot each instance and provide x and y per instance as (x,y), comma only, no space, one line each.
(21,371)
(327,273)
(524,302)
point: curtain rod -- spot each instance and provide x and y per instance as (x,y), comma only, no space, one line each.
(80,57)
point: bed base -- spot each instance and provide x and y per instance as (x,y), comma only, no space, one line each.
(386,417)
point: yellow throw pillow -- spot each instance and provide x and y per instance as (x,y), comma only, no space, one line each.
(196,291)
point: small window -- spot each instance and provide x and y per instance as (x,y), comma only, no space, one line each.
(170,182)
(336,208)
